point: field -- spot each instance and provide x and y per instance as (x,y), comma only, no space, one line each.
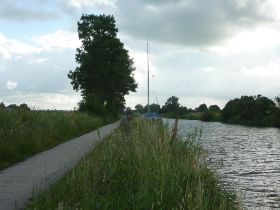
(24,133)
(140,168)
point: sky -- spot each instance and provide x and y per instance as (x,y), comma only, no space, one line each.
(200,51)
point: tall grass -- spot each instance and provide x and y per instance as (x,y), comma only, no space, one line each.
(139,169)
(25,133)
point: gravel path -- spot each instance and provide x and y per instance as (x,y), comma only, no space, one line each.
(20,182)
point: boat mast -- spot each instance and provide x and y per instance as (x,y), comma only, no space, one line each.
(148,76)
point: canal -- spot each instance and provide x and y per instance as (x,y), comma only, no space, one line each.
(246,159)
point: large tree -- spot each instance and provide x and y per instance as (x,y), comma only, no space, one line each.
(251,110)
(171,105)
(139,108)
(105,71)
(214,108)
(202,108)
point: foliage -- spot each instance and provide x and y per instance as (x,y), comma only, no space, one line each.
(153,108)
(171,105)
(139,108)
(213,114)
(248,110)
(210,116)
(142,170)
(171,115)
(2,106)
(202,108)
(105,71)
(251,110)
(193,116)
(214,108)
(22,107)
(24,133)
(12,106)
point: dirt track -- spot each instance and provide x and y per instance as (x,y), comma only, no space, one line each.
(18,183)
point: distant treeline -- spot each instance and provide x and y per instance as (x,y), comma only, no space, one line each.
(247,110)
(13,107)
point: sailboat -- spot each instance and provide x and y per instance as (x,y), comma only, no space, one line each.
(150,115)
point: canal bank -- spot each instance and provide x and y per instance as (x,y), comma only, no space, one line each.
(141,169)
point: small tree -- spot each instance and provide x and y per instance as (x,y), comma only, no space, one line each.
(2,106)
(139,108)
(24,107)
(171,105)
(105,71)
(214,108)
(202,108)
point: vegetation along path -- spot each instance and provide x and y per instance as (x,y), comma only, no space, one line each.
(19,182)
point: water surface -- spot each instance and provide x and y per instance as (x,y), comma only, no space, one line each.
(246,159)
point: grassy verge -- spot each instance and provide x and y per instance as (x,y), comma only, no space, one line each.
(25,133)
(141,169)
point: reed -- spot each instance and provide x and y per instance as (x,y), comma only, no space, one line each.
(140,169)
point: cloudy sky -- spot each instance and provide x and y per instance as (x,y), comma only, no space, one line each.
(201,51)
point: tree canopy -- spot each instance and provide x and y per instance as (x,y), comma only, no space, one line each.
(105,71)
(171,105)
(214,108)
(251,110)
(202,108)
(139,108)
(153,108)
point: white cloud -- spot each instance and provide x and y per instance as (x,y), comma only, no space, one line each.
(273,6)
(249,41)
(11,85)
(208,69)
(58,40)
(38,60)
(80,4)
(11,48)
(44,100)
(271,70)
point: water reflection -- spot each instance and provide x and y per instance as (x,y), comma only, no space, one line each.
(247,160)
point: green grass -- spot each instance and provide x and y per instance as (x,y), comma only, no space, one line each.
(139,169)
(193,116)
(25,133)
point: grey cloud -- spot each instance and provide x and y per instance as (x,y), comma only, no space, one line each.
(30,11)
(188,22)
